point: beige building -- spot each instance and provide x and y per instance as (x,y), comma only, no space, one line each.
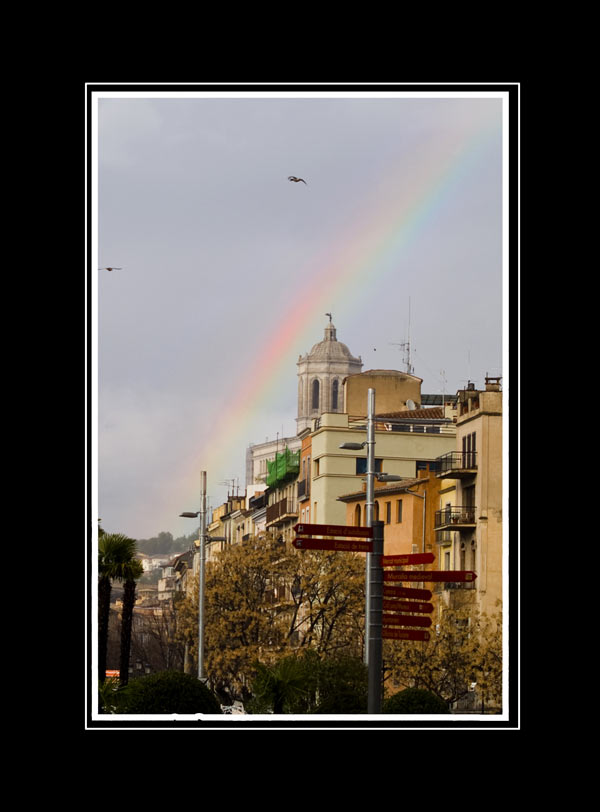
(406,441)
(470,525)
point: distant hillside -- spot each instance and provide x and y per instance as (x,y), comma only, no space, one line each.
(165,544)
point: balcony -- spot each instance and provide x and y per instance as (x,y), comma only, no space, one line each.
(304,489)
(457,464)
(281,511)
(455,518)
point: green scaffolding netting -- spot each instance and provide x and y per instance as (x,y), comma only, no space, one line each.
(285,464)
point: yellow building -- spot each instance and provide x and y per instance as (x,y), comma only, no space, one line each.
(404,445)
(472,522)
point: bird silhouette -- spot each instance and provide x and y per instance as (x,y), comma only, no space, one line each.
(294,179)
(110,269)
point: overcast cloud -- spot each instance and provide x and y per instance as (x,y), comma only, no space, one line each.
(216,247)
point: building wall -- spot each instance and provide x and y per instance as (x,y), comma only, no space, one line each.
(392,391)
(334,469)
(480,414)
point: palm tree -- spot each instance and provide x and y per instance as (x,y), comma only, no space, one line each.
(280,686)
(115,552)
(131,571)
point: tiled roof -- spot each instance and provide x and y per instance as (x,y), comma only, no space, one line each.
(389,487)
(434,413)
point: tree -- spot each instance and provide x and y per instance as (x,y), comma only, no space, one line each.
(131,570)
(463,648)
(115,551)
(263,599)
(278,688)
(327,601)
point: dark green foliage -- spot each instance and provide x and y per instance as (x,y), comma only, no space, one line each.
(167,692)
(342,686)
(165,544)
(305,683)
(415,700)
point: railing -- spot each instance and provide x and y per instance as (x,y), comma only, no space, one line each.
(457,461)
(455,516)
(285,507)
(303,488)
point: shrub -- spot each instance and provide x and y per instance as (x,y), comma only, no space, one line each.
(415,700)
(167,692)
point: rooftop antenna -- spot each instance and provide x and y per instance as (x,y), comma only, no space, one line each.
(405,345)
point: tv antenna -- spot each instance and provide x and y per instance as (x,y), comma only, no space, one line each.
(405,345)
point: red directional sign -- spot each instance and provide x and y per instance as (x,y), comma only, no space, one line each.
(334,530)
(407,606)
(430,575)
(405,634)
(405,620)
(409,558)
(407,592)
(353,545)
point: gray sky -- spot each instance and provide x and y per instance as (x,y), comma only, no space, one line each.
(228,270)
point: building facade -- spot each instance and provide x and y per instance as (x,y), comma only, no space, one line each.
(321,374)
(472,524)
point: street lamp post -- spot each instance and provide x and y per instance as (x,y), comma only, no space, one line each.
(374,569)
(202,568)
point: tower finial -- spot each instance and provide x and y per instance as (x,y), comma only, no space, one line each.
(330,317)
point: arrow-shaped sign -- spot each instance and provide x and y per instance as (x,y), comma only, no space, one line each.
(405,634)
(409,558)
(407,606)
(405,620)
(353,545)
(430,575)
(334,530)
(407,592)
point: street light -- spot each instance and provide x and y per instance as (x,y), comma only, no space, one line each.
(203,542)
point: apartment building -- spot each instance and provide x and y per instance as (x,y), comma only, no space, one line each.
(470,526)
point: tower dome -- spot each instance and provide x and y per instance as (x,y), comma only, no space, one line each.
(320,376)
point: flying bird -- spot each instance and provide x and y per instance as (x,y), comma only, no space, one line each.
(110,269)
(294,179)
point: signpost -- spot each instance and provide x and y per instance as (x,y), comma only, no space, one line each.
(405,634)
(407,592)
(406,620)
(430,575)
(411,558)
(407,606)
(334,530)
(381,627)
(352,545)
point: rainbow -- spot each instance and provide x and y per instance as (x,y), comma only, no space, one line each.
(371,251)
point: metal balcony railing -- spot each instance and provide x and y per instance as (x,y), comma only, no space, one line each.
(303,488)
(457,462)
(280,510)
(455,517)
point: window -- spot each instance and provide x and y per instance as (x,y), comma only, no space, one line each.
(388,512)
(334,396)
(376,512)
(399,510)
(361,465)
(315,394)
(357,516)
(446,561)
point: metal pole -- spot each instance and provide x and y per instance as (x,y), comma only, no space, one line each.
(375,624)
(369,505)
(201,575)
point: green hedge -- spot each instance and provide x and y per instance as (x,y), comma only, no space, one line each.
(415,700)
(167,692)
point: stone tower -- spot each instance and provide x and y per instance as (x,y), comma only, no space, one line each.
(320,376)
